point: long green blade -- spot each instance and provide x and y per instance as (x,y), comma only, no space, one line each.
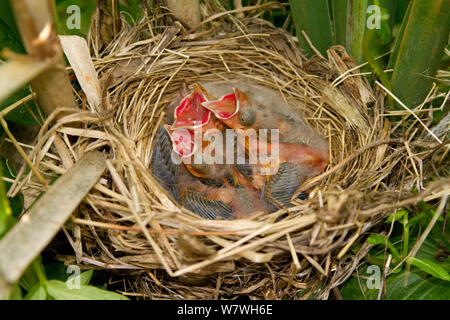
(419,49)
(340,21)
(391,8)
(312,17)
(356,27)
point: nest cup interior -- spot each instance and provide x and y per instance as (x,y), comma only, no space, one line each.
(143,81)
(128,221)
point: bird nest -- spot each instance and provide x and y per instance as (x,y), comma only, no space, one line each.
(129,223)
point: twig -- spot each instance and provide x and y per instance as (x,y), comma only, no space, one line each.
(383,279)
(52,87)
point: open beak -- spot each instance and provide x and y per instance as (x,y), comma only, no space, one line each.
(190,114)
(224,108)
(183,142)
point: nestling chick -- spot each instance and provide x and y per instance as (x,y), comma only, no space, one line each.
(301,153)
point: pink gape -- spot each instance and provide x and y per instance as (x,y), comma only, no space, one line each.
(189,115)
(300,152)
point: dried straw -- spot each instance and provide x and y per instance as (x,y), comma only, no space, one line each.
(129,222)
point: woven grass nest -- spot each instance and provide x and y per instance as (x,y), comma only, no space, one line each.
(130,224)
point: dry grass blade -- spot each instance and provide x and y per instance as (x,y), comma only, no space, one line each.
(77,52)
(130,222)
(17,72)
(38,227)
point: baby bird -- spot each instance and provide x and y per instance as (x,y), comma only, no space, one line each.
(221,200)
(192,123)
(238,112)
(212,191)
(190,192)
(299,153)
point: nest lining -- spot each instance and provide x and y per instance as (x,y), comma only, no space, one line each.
(128,221)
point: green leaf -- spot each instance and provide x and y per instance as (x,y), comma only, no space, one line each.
(133,10)
(419,48)
(417,288)
(8,39)
(16,203)
(350,18)
(430,267)
(28,238)
(6,218)
(362,286)
(339,21)
(389,8)
(7,16)
(401,10)
(417,219)
(377,239)
(398,216)
(83,278)
(28,113)
(56,271)
(60,291)
(435,246)
(87,8)
(29,279)
(36,293)
(356,28)
(86,277)
(15,293)
(384,33)
(312,16)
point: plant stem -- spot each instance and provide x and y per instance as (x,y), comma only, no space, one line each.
(35,22)
(40,273)
(405,236)
(187,11)
(356,27)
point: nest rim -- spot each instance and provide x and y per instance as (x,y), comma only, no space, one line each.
(141,221)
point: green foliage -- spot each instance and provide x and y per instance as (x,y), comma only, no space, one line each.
(430,267)
(7,17)
(63,14)
(131,11)
(356,27)
(37,292)
(416,34)
(340,21)
(6,218)
(15,203)
(418,49)
(415,285)
(26,114)
(9,39)
(427,277)
(63,286)
(312,16)
(420,31)
(34,281)
(60,291)
(15,293)
(378,239)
